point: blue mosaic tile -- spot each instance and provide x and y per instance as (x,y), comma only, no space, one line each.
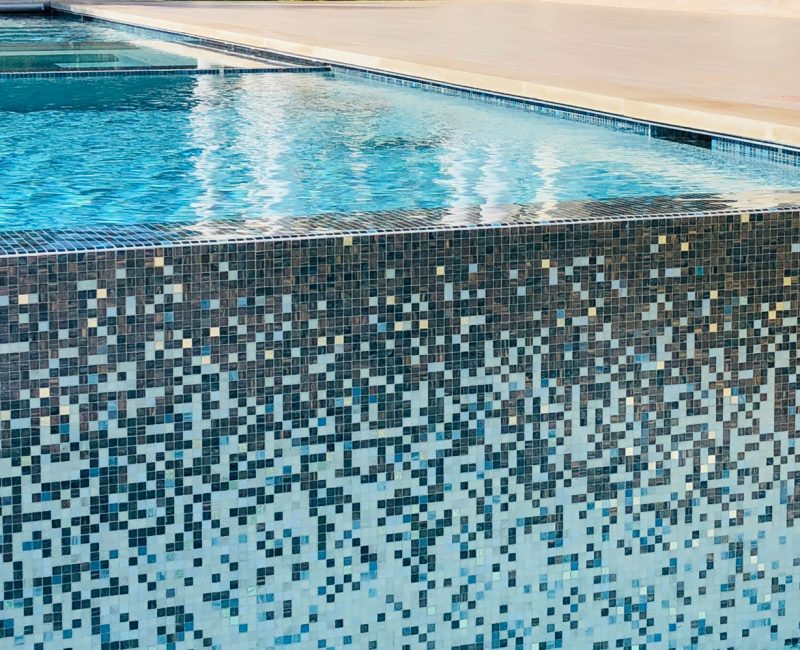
(777,154)
(27,242)
(570,426)
(579,434)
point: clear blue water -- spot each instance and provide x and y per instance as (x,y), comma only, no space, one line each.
(84,152)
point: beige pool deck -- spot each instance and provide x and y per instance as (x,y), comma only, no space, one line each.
(732,74)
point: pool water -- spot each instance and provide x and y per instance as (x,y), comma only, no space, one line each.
(84,152)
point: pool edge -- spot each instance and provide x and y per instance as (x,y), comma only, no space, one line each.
(112,239)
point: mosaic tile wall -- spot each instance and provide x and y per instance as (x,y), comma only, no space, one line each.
(568,436)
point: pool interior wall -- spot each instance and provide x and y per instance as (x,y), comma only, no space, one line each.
(570,435)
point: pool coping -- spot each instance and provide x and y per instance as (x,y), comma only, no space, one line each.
(238,49)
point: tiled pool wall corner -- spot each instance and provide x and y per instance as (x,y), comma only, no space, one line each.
(575,435)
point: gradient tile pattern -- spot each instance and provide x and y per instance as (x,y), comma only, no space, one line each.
(577,435)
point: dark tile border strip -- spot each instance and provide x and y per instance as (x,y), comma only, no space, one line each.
(539,107)
(719,142)
(232,231)
(160,72)
(22,9)
(757,150)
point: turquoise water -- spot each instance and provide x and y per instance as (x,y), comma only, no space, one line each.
(83,152)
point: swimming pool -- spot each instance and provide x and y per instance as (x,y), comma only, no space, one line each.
(312,361)
(258,148)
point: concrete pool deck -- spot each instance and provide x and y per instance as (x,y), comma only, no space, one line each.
(721,73)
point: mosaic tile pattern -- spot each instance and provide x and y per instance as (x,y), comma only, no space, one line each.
(759,151)
(576,435)
(25,242)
